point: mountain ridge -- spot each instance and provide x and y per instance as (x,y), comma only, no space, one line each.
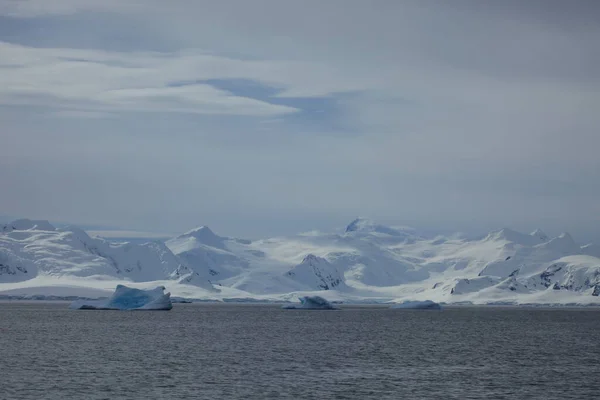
(366,261)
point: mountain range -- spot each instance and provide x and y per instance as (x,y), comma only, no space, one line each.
(366,262)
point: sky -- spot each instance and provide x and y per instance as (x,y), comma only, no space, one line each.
(264,118)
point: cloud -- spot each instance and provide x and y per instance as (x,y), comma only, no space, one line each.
(105,81)
(38,8)
(277,116)
(78,114)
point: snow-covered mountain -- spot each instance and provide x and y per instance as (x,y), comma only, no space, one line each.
(317,273)
(365,262)
(36,249)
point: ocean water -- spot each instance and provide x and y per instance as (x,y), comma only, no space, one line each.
(235,351)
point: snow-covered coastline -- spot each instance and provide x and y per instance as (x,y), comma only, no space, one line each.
(368,263)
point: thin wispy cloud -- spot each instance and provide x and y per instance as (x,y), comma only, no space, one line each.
(78,114)
(96,80)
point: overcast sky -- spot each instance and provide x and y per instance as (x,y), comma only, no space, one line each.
(273,117)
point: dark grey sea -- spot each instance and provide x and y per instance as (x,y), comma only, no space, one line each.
(237,351)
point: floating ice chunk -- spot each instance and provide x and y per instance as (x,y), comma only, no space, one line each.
(126,298)
(418,305)
(311,303)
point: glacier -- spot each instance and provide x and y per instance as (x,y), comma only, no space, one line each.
(311,303)
(127,298)
(417,305)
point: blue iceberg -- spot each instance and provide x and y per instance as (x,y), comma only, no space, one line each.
(418,305)
(311,303)
(126,298)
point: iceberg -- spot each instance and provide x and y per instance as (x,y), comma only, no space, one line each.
(126,298)
(418,305)
(311,303)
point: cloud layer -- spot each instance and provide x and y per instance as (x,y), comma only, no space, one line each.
(270,117)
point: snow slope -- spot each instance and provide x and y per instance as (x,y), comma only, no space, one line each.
(36,250)
(364,262)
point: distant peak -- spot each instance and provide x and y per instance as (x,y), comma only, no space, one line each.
(200,231)
(76,231)
(510,235)
(507,232)
(564,243)
(566,236)
(358,224)
(25,224)
(368,226)
(591,250)
(538,233)
(204,235)
(311,258)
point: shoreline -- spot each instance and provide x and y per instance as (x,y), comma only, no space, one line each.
(260,302)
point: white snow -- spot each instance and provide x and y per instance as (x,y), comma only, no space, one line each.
(317,273)
(365,262)
(311,303)
(127,298)
(418,305)
(28,252)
